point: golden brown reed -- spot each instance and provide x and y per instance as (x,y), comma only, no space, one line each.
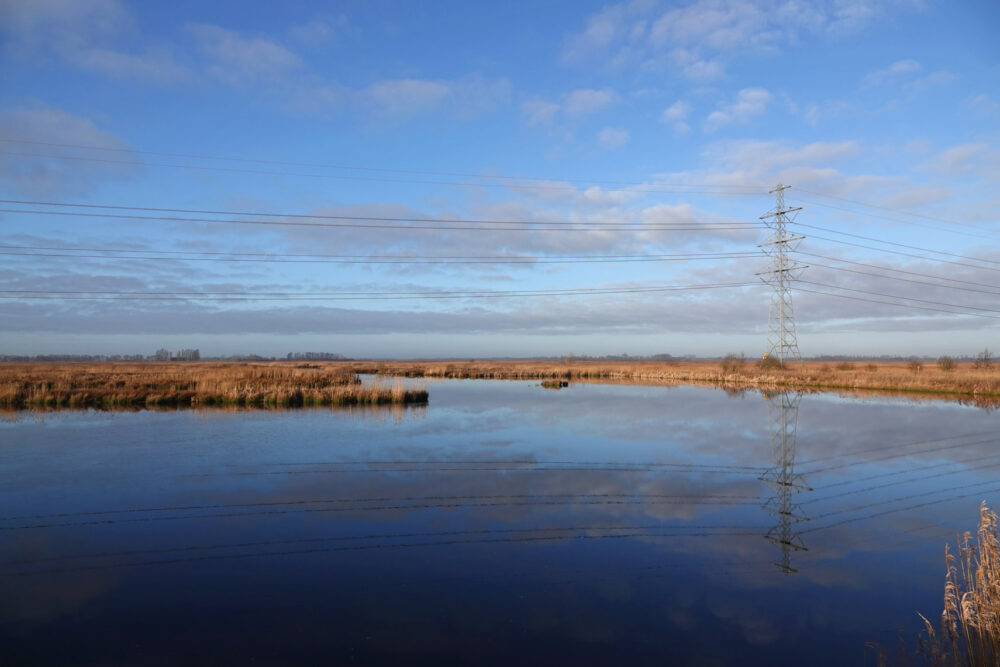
(969,633)
(335,383)
(107,385)
(964,382)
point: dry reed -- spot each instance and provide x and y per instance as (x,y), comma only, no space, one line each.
(112,385)
(969,633)
(964,382)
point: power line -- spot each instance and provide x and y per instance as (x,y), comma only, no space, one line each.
(906,280)
(207,256)
(883,208)
(905,298)
(908,222)
(891,303)
(320,216)
(899,245)
(263,172)
(904,254)
(577,227)
(757,189)
(82,295)
(886,268)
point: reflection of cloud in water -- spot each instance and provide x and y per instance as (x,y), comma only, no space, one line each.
(583,505)
(40,600)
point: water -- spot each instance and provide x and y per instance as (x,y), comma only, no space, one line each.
(503,523)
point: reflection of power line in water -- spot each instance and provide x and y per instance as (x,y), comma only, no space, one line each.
(374,536)
(650,464)
(897,483)
(544,468)
(891,447)
(369,547)
(330,510)
(859,508)
(902,509)
(907,471)
(377,499)
(904,454)
(590,575)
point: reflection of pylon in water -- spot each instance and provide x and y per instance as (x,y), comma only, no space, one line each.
(784,415)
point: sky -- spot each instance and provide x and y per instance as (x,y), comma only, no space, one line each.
(454,179)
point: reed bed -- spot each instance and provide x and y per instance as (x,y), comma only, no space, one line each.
(963,381)
(114,385)
(969,632)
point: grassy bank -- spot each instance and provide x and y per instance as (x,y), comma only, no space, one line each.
(962,381)
(116,385)
(284,384)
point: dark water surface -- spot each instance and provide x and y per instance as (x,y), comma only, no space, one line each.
(501,524)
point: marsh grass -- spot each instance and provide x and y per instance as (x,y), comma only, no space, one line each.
(964,382)
(193,384)
(969,632)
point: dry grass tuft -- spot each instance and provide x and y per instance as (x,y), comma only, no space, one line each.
(114,385)
(970,623)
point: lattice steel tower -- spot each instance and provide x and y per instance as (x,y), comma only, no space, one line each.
(784,414)
(782,343)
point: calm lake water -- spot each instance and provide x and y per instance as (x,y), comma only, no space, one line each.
(501,524)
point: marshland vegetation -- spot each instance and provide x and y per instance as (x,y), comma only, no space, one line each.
(263,384)
(969,631)
(125,385)
(960,380)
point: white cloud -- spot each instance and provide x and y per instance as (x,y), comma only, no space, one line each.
(238,60)
(65,25)
(691,64)
(538,112)
(85,35)
(749,102)
(588,101)
(52,177)
(696,37)
(816,113)
(972,159)
(894,70)
(676,116)
(410,97)
(574,105)
(319,32)
(714,24)
(152,66)
(983,103)
(475,95)
(922,84)
(406,96)
(613,137)
(604,29)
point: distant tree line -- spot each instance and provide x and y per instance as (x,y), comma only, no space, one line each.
(314,356)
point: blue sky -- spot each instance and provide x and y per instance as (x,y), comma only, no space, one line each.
(641,137)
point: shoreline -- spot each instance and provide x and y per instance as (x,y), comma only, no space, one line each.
(334,383)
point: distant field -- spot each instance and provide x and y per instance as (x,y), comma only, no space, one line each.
(290,384)
(154,384)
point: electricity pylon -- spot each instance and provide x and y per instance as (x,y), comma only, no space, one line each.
(782,343)
(784,417)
